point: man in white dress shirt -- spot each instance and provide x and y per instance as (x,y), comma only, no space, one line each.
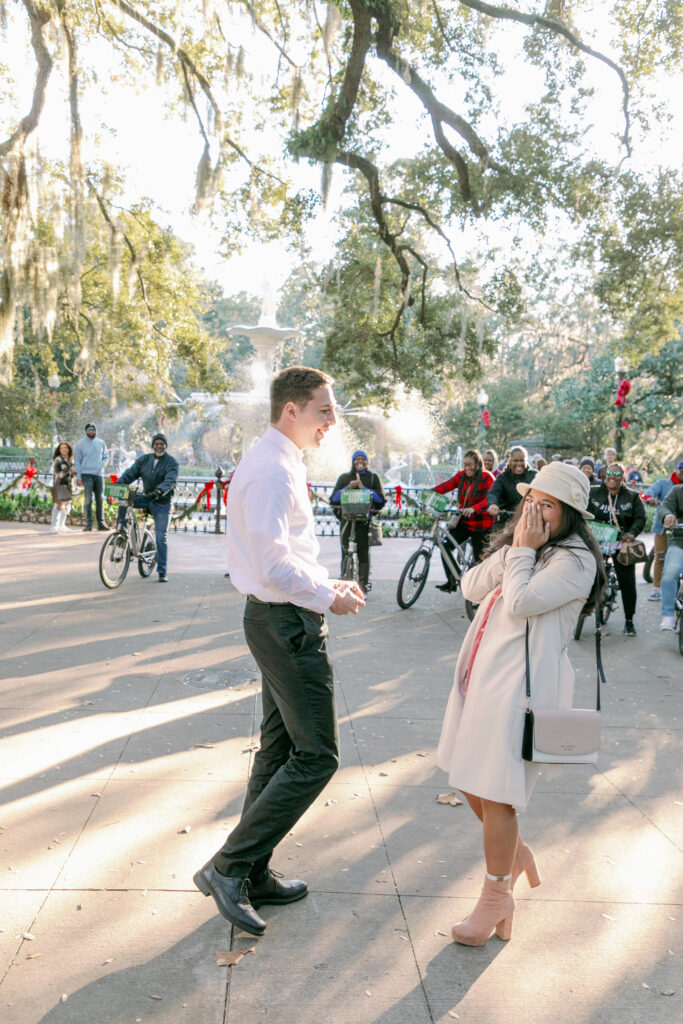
(273,559)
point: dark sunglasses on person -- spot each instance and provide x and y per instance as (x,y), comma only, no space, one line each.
(609,473)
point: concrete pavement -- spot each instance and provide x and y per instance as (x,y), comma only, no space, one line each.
(128,719)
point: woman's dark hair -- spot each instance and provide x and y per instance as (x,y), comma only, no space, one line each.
(475,455)
(572,524)
(57,452)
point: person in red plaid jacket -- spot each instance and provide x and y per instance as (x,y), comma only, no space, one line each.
(472,484)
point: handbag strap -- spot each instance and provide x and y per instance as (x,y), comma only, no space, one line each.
(600,673)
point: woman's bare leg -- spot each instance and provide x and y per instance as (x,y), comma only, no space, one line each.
(500,836)
(475,804)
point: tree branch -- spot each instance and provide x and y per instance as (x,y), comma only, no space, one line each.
(187,65)
(38,17)
(559,28)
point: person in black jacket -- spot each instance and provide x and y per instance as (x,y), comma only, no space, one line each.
(612,502)
(504,494)
(159,473)
(361,478)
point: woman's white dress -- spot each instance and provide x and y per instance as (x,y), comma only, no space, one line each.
(481,738)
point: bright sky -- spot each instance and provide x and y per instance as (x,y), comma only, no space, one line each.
(160,154)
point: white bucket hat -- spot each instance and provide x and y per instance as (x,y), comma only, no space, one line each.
(562,481)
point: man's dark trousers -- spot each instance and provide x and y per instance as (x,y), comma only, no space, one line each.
(93,484)
(299,739)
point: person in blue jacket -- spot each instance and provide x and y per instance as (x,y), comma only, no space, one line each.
(362,478)
(90,458)
(159,473)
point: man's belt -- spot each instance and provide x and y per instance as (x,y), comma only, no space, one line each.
(257,600)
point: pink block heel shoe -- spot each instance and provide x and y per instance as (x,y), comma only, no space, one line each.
(493,912)
(525,862)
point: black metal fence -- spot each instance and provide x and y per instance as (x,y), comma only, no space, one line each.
(198,504)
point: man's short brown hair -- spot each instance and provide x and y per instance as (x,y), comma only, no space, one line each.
(295,384)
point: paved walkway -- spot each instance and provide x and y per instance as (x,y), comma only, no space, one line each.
(128,719)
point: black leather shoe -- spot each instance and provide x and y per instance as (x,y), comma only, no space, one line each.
(163,578)
(232,898)
(101,526)
(87,529)
(271,887)
(447,588)
(629,628)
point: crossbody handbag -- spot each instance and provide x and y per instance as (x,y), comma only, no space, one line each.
(631,551)
(563,735)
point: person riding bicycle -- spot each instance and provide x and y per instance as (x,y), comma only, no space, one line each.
(472,483)
(670,513)
(613,502)
(159,473)
(655,494)
(359,477)
(504,494)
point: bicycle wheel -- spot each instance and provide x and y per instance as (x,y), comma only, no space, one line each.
(412,579)
(470,609)
(350,568)
(147,558)
(114,559)
(647,566)
(468,559)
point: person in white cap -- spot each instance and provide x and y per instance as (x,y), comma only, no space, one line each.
(540,569)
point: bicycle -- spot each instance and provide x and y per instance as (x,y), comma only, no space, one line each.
(606,536)
(132,539)
(677,531)
(459,559)
(356,505)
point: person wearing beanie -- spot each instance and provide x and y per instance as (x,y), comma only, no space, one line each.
(536,574)
(159,473)
(90,458)
(655,495)
(359,477)
(587,466)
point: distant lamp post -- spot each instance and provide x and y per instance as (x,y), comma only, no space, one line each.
(621,369)
(483,417)
(54,384)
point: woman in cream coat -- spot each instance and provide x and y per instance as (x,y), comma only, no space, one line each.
(541,568)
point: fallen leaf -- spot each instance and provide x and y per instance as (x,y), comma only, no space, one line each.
(109,960)
(645,985)
(188,828)
(437,932)
(328,803)
(368,992)
(385,774)
(232,957)
(252,746)
(28,936)
(298,844)
(157,998)
(607,917)
(448,798)
(64,997)
(453,1014)
(669,992)
(421,755)
(205,746)
(33,956)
